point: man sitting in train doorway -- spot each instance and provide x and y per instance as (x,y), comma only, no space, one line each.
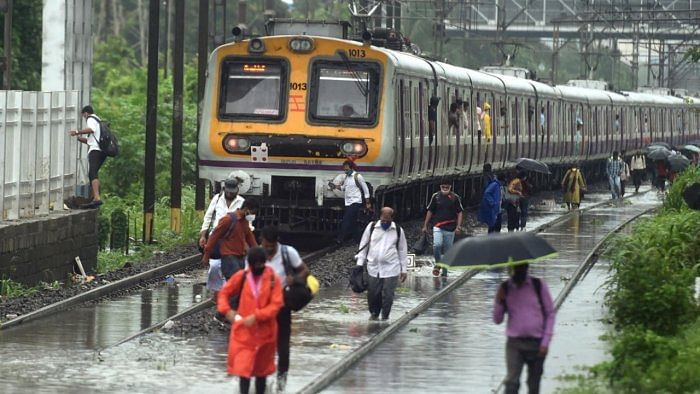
(445,210)
(356,194)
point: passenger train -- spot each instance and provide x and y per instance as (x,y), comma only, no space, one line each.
(282,113)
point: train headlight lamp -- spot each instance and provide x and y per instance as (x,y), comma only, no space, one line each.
(256,45)
(354,148)
(301,44)
(236,144)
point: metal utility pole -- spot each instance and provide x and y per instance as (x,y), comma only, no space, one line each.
(149,187)
(6,7)
(202,51)
(176,155)
(555,53)
(635,57)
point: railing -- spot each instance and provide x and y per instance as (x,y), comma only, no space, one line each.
(40,164)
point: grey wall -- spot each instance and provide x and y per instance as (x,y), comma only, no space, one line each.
(44,249)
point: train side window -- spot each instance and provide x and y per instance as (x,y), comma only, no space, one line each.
(253,88)
(344,92)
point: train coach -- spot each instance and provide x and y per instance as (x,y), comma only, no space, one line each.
(281,113)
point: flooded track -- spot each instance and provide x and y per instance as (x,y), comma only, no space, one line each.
(456,347)
(59,354)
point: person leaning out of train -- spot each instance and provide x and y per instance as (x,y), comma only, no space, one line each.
(487,122)
(236,238)
(251,300)
(445,210)
(638,167)
(223,203)
(356,193)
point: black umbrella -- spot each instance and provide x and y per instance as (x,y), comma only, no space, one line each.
(659,154)
(532,165)
(492,251)
(660,143)
(691,195)
(678,162)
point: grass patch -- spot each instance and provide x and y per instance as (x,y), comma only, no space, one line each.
(10,289)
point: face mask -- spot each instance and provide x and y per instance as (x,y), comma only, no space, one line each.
(257,271)
(385,225)
(250,218)
(230,195)
(349,172)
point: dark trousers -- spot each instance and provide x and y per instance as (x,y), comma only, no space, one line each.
(349,224)
(284,332)
(524,209)
(622,187)
(260,383)
(513,217)
(520,351)
(637,176)
(380,295)
(496,228)
(231,264)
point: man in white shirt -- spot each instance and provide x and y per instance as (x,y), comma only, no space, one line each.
(223,203)
(276,254)
(95,155)
(356,191)
(386,253)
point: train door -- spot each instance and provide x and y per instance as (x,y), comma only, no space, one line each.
(547,130)
(399,126)
(500,137)
(423,143)
(509,126)
(489,124)
(415,127)
(407,126)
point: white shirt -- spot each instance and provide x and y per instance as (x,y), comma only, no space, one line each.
(276,261)
(218,204)
(353,194)
(92,139)
(383,260)
(639,162)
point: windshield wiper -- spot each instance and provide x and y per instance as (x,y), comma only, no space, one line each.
(364,90)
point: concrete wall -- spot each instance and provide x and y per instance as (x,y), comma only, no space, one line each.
(44,249)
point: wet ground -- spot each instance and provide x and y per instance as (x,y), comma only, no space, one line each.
(59,353)
(455,345)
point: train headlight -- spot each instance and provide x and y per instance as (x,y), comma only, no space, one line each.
(354,148)
(256,45)
(236,144)
(301,44)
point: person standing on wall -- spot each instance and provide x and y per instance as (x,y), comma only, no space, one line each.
(445,210)
(95,155)
(356,191)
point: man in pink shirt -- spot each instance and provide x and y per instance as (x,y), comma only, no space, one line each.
(530,326)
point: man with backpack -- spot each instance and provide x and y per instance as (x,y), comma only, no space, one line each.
(357,193)
(385,253)
(530,326)
(96,156)
(445,210)
(288,265)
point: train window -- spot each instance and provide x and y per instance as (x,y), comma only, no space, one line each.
(344,91)
(253,89)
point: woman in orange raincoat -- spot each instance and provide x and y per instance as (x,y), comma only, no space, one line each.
(253,341)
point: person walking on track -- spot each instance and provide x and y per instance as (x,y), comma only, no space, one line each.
(253,339)
(614,169)
(573,186)
(279,258)
(445,210)
(385,251)
(528,303)
(356,192)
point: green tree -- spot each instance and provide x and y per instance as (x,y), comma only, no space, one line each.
(26,45)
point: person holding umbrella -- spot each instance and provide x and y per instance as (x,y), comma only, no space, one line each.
(530,327)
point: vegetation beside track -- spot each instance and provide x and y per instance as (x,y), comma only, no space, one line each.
(655,337)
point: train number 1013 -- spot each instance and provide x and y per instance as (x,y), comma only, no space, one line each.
(357,52)
(297,85)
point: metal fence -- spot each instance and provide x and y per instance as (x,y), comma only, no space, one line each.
(40,164)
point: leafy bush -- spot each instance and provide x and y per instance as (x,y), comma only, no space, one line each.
(674,201)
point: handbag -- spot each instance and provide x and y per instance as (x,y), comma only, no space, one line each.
(511,198)
(359,278)
(298,294)
(421,245)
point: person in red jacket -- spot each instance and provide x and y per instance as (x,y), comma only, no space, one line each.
(253,340)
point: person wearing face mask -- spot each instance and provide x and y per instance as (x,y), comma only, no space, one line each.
(253,338)
(385,254)
(528,303)
(445,210)
(223,203)
(236,238)
(356,194)
(276,254)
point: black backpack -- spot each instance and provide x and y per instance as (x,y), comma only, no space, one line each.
(297,295)
(108,141)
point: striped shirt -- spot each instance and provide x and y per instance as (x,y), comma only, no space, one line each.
(614,167)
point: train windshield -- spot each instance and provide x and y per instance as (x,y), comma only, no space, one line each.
(252,89)
(345,91)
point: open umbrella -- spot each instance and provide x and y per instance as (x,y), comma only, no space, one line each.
(659,154)
(696,142)
(532,165)
(661,143)
(691,148)
(678,162)
(492,251)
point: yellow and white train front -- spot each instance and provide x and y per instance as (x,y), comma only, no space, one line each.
(283,112)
